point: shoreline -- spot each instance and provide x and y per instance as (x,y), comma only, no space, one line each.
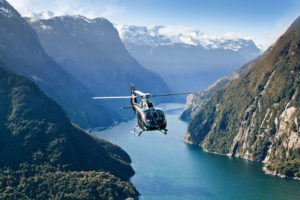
(264,168)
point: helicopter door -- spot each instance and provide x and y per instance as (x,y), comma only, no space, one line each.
(140,119)
(159,117)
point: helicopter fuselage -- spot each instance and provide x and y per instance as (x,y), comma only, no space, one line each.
(149,118)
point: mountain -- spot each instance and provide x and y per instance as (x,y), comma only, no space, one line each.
(196,101)
(256,116)
(91,50)
(22,53)
(45,156)
(187,60)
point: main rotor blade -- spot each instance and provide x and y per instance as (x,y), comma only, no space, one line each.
(139,93)
(116,97)
(156,95)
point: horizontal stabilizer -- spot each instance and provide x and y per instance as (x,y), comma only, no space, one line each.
(116,97)
(127,107)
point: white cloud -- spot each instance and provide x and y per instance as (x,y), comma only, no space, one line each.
(88,8)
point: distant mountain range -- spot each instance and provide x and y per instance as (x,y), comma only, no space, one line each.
(187,60)
(256,116)
(92,52)
(159,35)
(22,53)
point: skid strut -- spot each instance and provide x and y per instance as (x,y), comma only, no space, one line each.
(136,130)
(164,131)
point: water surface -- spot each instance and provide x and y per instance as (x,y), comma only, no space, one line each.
(167,168)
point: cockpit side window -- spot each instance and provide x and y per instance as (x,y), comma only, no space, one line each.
(150,105)
(148,115)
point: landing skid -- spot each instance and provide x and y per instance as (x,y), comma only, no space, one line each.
(136,130)
(164,131)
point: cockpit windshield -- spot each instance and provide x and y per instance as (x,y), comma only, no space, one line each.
(154,117)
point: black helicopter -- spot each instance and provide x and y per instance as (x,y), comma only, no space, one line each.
(149,118)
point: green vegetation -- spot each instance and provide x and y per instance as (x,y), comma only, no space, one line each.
(45,156)
(46,182)
(289,167)
(243,118)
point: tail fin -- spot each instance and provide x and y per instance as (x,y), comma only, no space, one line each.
(132,89)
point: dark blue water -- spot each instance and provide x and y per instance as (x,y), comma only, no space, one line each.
(167,168)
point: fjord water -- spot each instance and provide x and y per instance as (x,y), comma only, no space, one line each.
(167,168)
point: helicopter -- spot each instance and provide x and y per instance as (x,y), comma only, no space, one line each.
(149,118)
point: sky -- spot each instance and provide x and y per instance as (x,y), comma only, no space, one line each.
(263,21)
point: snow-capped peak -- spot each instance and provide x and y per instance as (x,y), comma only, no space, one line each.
(33,17)
(6,9)
(158,35)
(142,35)
(6,12)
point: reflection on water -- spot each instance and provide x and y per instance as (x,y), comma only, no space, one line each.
(167,168)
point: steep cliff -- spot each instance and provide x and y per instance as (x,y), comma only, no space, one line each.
(256,116)
(45,156)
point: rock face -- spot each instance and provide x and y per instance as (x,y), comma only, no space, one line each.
(256,116)
(196,101)
(91,50)
(22,53)
(36,135)
(188,61)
